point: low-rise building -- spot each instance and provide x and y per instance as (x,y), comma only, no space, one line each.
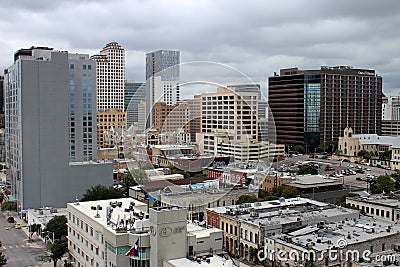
(351,144)
(42,216)
(377,206)
(315,183)
(245,226)
(328,244)
(124,232)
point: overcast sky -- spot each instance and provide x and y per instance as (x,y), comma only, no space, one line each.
(256,37)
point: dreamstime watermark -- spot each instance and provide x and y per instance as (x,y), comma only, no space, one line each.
(334,254)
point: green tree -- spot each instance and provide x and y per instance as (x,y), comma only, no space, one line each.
(323,147)
(253,253)
(1,197)
(128,182)
(299,149)
(1,167)
(3,259)
(277,191)
(34,228)
(290,191)
(100,192)
(58,226)
(365,154)
(341,201)
(386,155)
(383,183)
(139,176)
(247,199)
(262,193)
(338,152)
(307,169)
(8,205)
(57,251)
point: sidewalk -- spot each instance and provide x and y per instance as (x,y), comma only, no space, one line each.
(35,241)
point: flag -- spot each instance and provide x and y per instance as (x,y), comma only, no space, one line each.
(134,250)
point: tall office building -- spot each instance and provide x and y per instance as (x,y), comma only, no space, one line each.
(230,125)
(162,77)
(134,93)
(391,115)
(110,77)
(49,98)
(110,83)
(2,121)
(315,106)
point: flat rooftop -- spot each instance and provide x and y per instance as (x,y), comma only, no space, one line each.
(353,231)
(214,261)
(201,232)
(378,200)
(123,209)
(309,181)
(272,204)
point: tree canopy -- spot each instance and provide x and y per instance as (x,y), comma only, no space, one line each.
(247,199)
(383,183)
(8,205)
(101,192)
(57,251)
(58,226)
(308,169)
(365,154)
(341,201)
(299,149)
(3,259)
(289,192)
(139,176)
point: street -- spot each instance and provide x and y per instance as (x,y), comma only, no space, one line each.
(18,250)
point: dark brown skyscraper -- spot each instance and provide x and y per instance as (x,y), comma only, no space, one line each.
(311,107)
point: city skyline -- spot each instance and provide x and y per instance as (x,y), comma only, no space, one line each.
(272,35)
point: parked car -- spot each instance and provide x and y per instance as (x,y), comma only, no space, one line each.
(10,219)
(17,226)
(329,168)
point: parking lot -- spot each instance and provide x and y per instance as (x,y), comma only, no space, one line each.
(353,182)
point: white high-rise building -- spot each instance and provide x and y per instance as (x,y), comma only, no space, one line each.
(110,77)
(162,77)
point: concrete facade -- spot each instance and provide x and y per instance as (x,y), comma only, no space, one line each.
(162,77)
(377,206)
(37,127)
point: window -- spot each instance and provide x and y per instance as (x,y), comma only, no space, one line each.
(84,67)
(72,66)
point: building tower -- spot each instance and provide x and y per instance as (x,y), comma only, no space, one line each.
(2,122)
(50,118)
(312,107)
(162,77)
(110,87)
(134,93)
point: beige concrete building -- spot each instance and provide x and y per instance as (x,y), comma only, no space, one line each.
(230,126)
(121,233)
(351,240)
(377,206)
(106,119)
(245,226)
(350,144)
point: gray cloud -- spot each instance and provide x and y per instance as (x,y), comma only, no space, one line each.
(256,37)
